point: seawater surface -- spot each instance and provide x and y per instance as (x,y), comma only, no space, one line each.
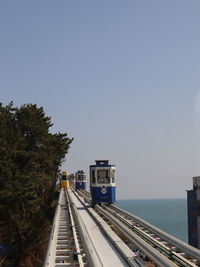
(169,215)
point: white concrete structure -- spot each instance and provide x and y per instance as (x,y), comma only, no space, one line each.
(80,237)
(64,246)
(107,254)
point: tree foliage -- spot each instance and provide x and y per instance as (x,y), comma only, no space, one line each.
(30,157)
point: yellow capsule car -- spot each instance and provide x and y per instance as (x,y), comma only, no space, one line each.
(64,181)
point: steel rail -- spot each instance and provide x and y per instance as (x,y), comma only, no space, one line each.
(84,194)
(63,242)
(153,254)
(91,252)
(121,247)
(176,249)
(72,218)
(186,256)
(147,249)
(174,244)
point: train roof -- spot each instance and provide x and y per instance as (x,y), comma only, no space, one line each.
(80,171)
(102,163)
(64,172)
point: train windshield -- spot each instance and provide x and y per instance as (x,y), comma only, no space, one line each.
(103,177)
(64,177)
(80,177)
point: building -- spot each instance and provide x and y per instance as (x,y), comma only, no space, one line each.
(193,201)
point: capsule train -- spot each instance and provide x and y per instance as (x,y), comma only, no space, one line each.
(102,182)
(64,180)
(80,180)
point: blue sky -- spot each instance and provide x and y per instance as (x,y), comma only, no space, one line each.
(121,77)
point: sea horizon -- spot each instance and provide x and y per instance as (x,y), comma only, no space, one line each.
(151,198)
(168,214)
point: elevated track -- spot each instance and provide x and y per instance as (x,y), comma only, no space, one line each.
(110,236)
(81,238)
(65,247)
(162,248)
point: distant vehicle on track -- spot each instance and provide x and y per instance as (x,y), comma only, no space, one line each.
(102,182)
(71,177)
(64,180)
(80,180)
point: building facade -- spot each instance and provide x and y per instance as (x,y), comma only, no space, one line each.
(193,204)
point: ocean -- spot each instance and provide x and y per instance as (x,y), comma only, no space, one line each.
(169,215)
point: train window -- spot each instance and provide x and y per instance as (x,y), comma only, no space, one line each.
(93,177)
(80,177)
(103,177)
(113,176)
(64,177)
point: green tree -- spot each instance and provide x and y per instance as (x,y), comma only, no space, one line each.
(30,157)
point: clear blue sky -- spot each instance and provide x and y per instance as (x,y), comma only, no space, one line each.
(121,77)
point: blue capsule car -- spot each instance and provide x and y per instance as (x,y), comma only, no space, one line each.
(80,180)
(102,182)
